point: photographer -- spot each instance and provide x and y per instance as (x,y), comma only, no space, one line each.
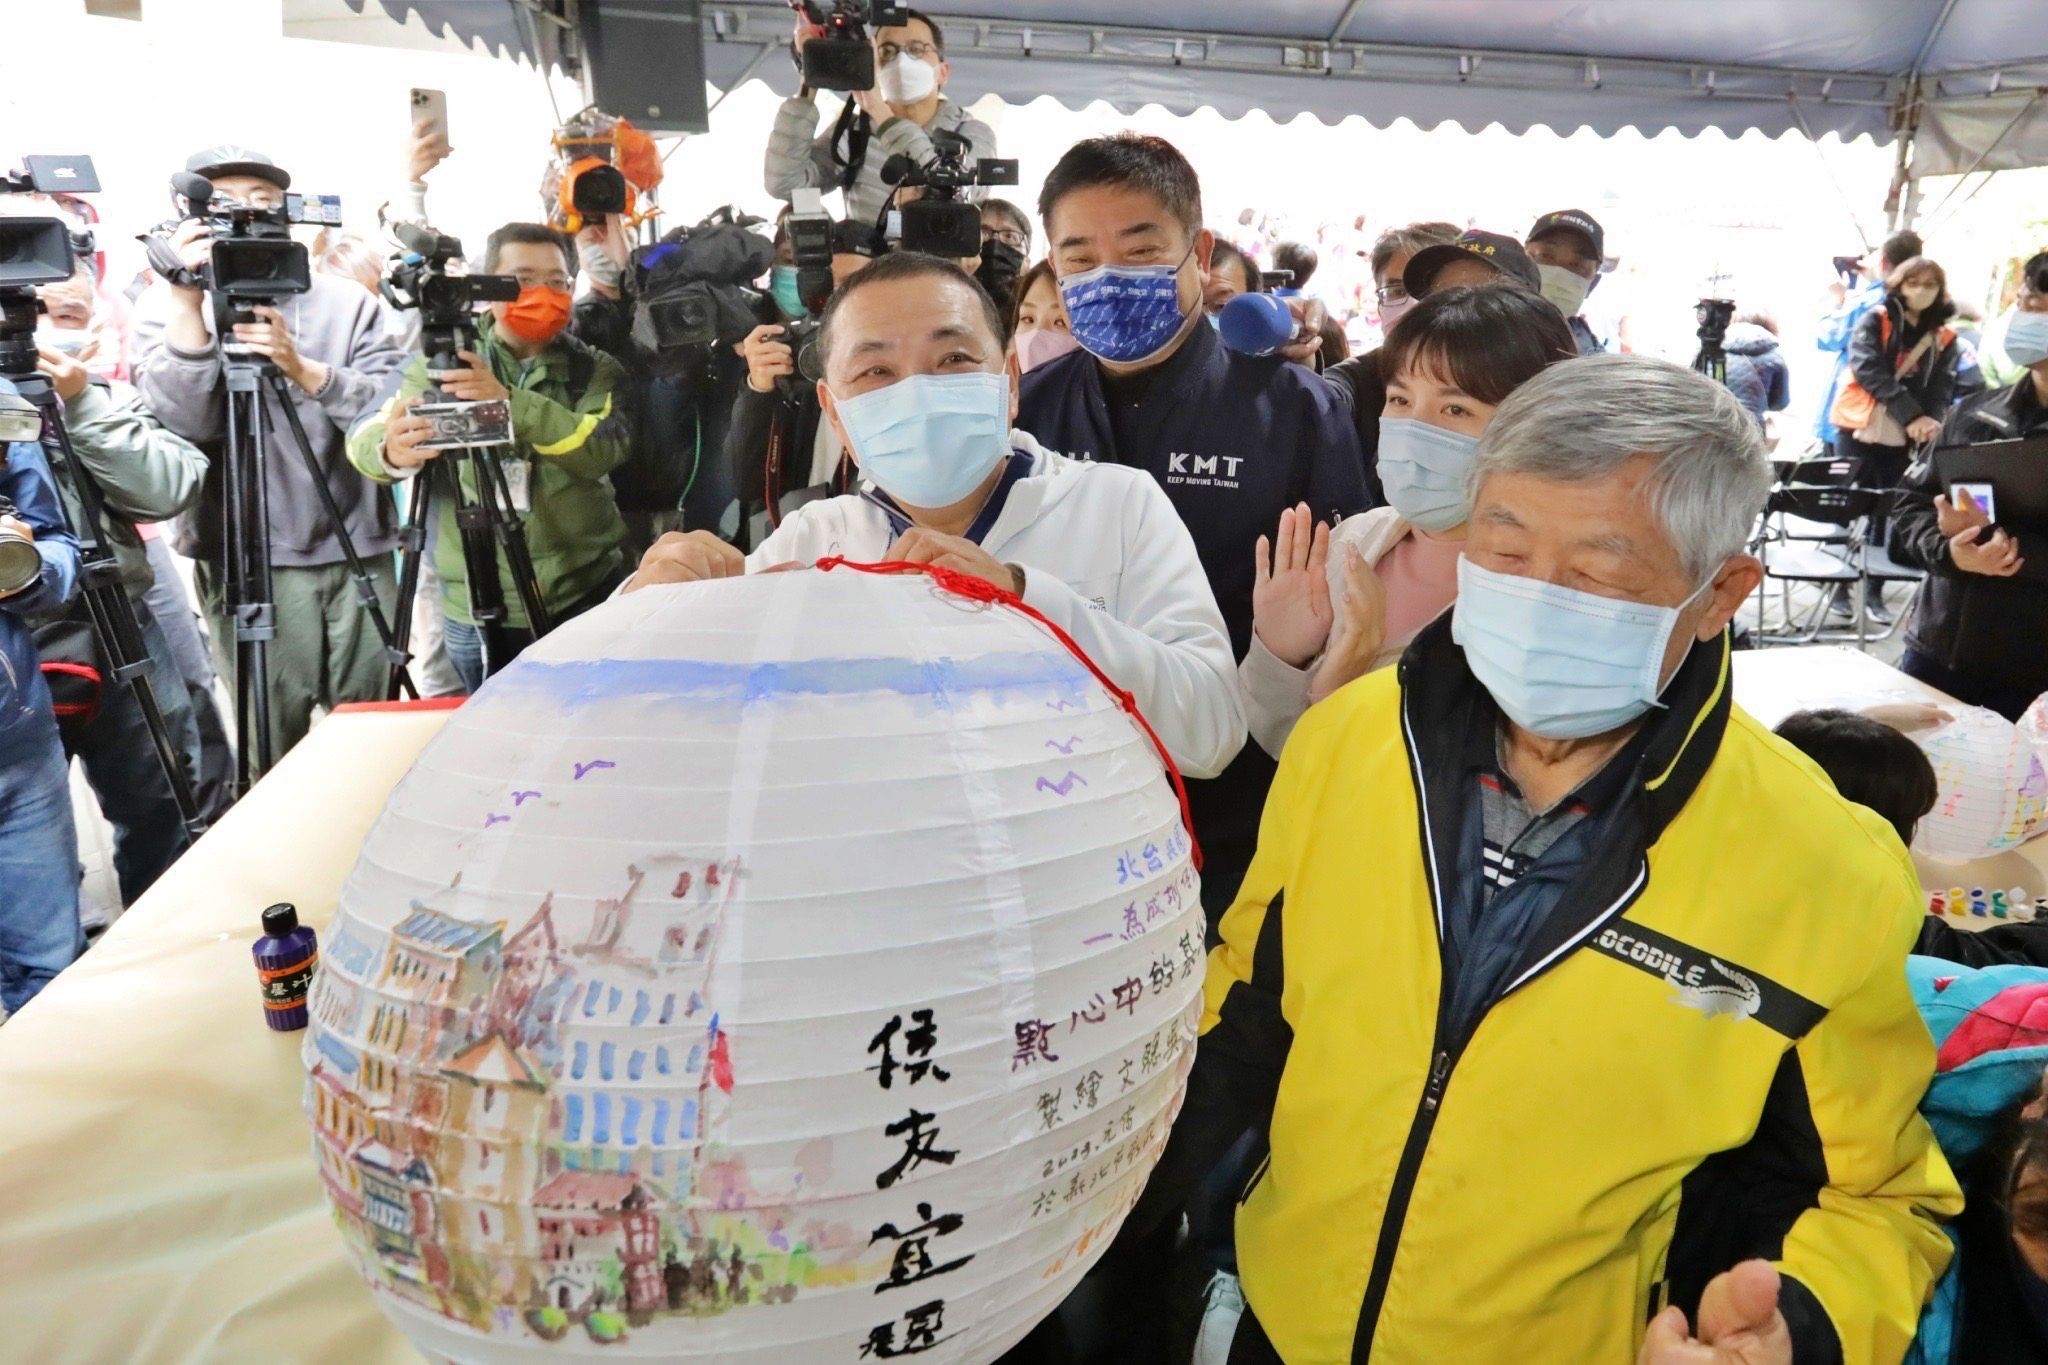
(331,346)
(671,478)
(902,115)
(567,436)
(144,473)
(39,933)
(812,454)
(917,387)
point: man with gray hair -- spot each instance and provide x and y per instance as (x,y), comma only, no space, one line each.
(1587,1036)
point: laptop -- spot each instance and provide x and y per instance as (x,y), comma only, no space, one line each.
(2008,479)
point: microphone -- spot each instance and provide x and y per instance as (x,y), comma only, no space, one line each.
(420,241)
(197,190)
(1255,324)
(896,168)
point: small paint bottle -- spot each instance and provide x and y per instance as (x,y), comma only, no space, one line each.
(1998,905)
(284,964)
(1937,903)
(1958,902)
(1980,905)
(2022,903)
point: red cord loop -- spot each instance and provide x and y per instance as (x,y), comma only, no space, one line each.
(981,590)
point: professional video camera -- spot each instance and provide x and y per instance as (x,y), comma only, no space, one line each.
(690,289)
(254,257)
(842,57)
(34,251)
(1714,316)
(939,222)
(428,278)
(603,165)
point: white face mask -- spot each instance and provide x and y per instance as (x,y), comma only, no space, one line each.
(1919,296)
(1565,288)
(907,80)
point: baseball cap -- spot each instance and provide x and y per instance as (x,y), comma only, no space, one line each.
(231,158)
(1497,249)
(1579,223)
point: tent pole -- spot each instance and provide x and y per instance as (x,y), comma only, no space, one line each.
(1902,200)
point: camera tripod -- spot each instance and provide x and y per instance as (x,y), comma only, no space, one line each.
(1712,360)
(246,554)
(484,523)
(105,597)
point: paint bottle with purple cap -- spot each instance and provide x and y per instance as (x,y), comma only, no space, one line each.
(284,964)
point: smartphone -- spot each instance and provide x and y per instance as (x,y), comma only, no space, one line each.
(431,107)
(1980,493)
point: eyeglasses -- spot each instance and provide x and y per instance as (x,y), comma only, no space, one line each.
(917,48)
(1391,293)
(533,279)
(1009,237)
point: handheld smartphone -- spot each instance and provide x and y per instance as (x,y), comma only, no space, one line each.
(1980,493)
(431,107)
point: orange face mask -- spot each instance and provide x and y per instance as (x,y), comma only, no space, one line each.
(538,314)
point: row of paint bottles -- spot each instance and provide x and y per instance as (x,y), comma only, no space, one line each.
(2015,904)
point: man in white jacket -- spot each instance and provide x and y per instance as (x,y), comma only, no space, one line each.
(917,389)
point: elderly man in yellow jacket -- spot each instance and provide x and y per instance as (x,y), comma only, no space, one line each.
(1572,1001)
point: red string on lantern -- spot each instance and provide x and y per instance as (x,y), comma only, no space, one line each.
(981,590)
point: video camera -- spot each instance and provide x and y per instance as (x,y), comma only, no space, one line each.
(842,57)
(690,290)
(940,223)
(254,258)
(446,298)
(35,251)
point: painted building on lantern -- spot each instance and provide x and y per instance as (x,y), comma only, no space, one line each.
(436,969)
(398,1213)
(495,1108)
(634,1030)
(588,1221)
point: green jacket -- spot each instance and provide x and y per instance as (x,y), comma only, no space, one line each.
(572,440)
(144,471)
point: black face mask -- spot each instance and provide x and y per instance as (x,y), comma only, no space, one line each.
(1001,264)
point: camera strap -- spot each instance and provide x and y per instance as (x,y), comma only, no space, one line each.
(851,133)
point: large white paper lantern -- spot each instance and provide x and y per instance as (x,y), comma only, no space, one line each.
(1992,791)
(797,968)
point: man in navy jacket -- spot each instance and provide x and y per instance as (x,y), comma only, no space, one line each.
(1234,440)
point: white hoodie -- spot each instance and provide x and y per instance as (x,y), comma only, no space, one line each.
(1106,558)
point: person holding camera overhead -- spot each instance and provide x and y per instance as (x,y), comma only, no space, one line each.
(566,437)
(902,113)
(331,346)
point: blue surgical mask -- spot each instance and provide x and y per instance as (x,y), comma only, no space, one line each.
(929,440)
(1560,663)
(782,284)
(2026,338)
(1423,469)
(1125,313)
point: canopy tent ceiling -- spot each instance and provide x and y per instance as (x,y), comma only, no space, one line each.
(1966,76)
